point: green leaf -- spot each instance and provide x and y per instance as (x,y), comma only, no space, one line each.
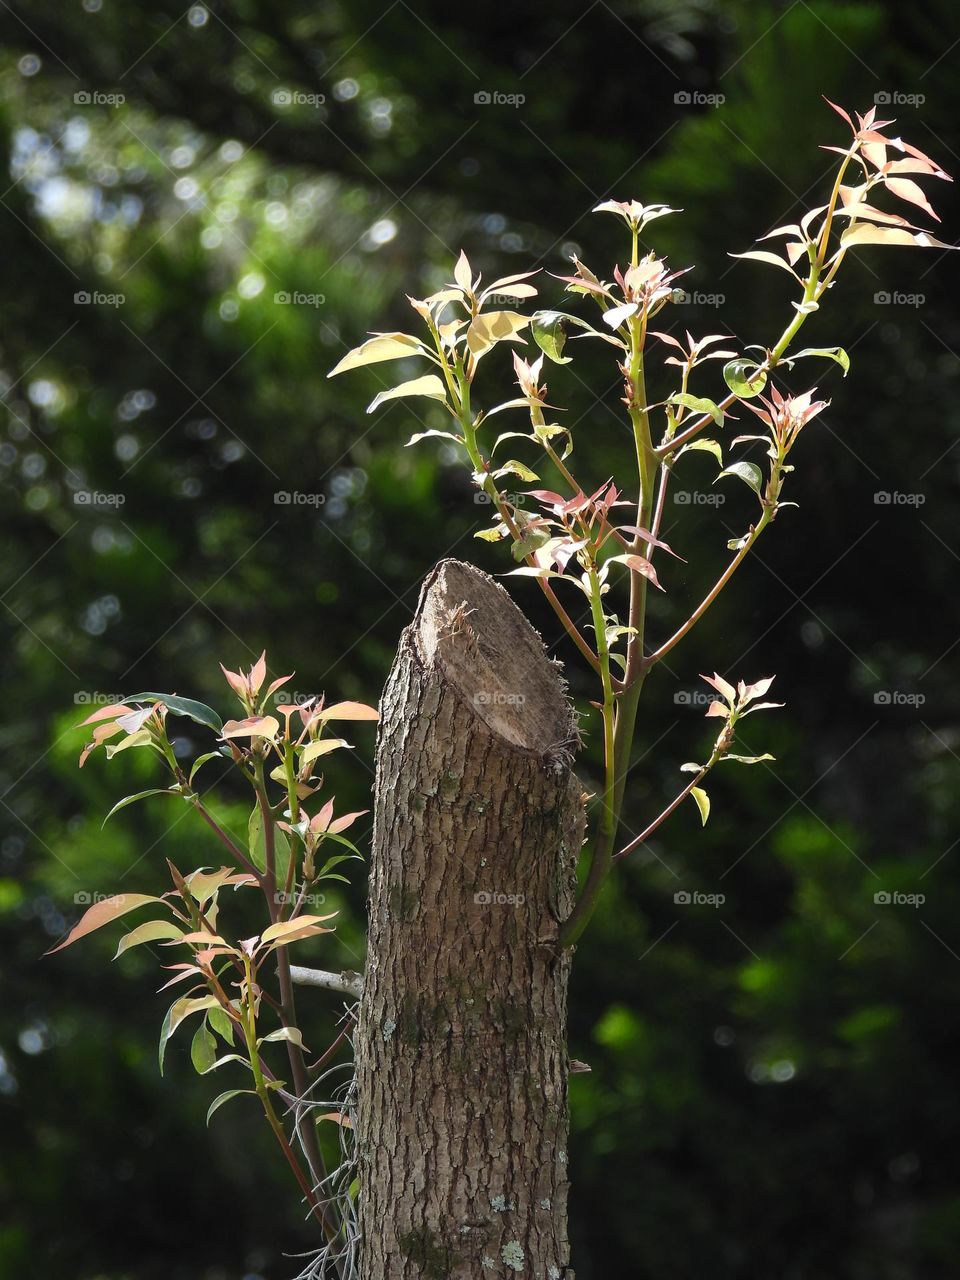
(705,446)
(429,385)
(221,1098)
(141,738)
(515,468)
(748,472)
(698,405)
(221,1024)
(202,760)
(422,435)
(149,931)
(140,795)
(738,374)
(198,711)
(549,334)
(181,1009)
(383,346)
(831,353)
(203,1049)
(529,543)
(320,748)
(703,803)
(749,759)
(257,846)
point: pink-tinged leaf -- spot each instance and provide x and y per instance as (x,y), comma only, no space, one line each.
(204,884)
(764,706)
(202,938)
(104,912)
(668,338)
(106,713)
(840,112)
(345,820)
(291,1034)
(718,708)
(870,214)
(236,681)
(349,711)
(321,821)
(648,537)
(187,971)
(338,1117)
(722,686)
(756,690)
(876,153)
(277,684)
(278,935)
(890,235)
(641,565)
(382,346)
(908,190)
(916,166)
(252,727)
(136,719)
(258,672)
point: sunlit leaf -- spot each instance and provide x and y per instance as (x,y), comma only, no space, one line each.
(385,346)
(349,711)
(149,931)
(703,803)
(698,405)
(189,707)
(140,795)
(831,353)
(748,472)
(292,1034)
(141,738)
(320,748)
(742,377)
(492,327)
(104,912)
(429,385)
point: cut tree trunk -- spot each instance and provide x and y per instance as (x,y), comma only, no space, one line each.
(461,1049)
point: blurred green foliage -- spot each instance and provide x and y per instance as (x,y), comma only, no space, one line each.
(772,1089)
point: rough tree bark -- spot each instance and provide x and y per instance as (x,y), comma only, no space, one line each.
(461,1049)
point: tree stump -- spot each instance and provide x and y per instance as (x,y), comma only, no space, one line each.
(461,1049)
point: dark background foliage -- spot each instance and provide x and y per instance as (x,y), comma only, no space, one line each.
(773,1089)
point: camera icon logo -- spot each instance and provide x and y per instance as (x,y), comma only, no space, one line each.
(483,898)
(682,498)
(682,98)
(482,98)
(882,698)
(281,97)
(282,298)
(82,898)
(82,299)
(882,498)
(283,498)
(882,898)
(682,898)
(882,98)
(481,499)
(82,98)
(882,298)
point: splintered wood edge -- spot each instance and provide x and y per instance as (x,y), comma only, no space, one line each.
(494,657)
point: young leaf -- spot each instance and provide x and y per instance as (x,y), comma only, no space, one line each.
(703,803)
(548,333)
(203,1049)
(149,931)
(290,930)
(252,727)
(698,405)
(293,1034)
(349,711)
(707,446)
(140,795)
(833,353)
(748,472)
(314,749)
(198,711)
(492,327)
(220,1022)
(742,377)
(104,912)
(221,1098)
(429,385)
(384,346)
(141,738)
